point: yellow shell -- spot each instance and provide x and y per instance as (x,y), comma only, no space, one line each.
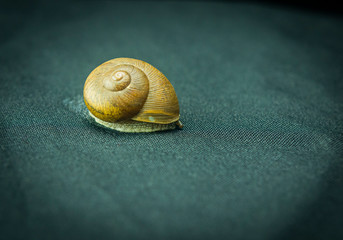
(123,92)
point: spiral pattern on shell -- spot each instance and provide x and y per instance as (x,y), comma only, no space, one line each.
(130,89)
(118,81)
(118,92)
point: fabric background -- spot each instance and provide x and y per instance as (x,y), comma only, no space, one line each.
(260,92)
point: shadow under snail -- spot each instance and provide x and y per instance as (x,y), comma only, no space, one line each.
(130,95)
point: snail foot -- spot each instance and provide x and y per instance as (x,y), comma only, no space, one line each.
(135,126)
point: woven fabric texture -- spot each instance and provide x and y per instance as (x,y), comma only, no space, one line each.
(260,92)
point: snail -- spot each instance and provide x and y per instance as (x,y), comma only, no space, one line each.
(130,95)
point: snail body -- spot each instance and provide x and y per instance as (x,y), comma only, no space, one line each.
(131,95)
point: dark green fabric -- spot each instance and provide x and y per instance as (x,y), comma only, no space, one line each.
(260,156)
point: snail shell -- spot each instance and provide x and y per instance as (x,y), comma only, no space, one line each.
(132,96)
